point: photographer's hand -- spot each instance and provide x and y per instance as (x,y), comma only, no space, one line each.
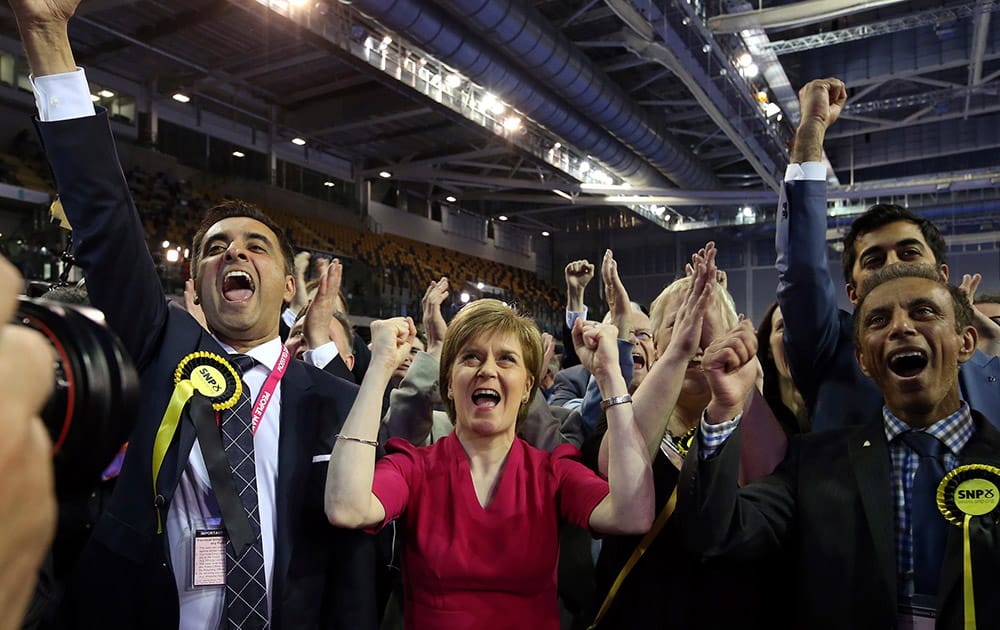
(27,496)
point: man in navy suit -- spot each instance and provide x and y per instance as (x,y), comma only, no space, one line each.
(817,333)
(142,566)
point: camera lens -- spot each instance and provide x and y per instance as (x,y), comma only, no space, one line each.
(93,405)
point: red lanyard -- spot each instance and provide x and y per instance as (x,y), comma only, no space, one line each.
(267,391)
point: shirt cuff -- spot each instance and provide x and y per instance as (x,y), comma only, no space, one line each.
(808,171)
(63,96)
(713,436)
(571,316)
(288,316)
(322,355)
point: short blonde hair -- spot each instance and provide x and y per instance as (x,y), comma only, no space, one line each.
(488,316)
(657,310)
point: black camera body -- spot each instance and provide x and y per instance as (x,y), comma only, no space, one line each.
(94,403)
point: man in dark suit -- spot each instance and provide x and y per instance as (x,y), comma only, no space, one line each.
(145,565)
(846,503)
(817,333)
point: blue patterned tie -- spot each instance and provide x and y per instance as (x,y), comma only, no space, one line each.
(928,525)
(246,590)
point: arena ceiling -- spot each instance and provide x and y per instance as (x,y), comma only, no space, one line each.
(585,114)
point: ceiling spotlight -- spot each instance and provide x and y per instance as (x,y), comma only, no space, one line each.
(384,174)
(173,255)
(239,154)
(545,233)
(166,244)
(480,285)
(747,211)
(512,123)
(465,297)
(584,166)
(450,199)
(329,184)
(502,217)
(750,71)
(453,81)
(106,93)
(744,60)
(95,98)
(181,98)
(557,146)
(298,141)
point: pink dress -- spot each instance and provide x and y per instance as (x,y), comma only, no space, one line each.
(465,566)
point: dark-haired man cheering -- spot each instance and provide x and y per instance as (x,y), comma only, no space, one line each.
(216,521)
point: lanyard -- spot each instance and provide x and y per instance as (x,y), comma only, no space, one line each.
(267,391)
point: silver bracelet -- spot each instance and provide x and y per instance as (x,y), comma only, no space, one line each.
(358,440)
(615,400)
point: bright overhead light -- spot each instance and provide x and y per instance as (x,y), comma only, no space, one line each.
(173,255)
(239,154)
(106,93)
(465,297)
(512,123)
(557,146)
(747,211)
(502,217)
(329,184)
(95,98)
(744,60)
(298,141)
(384,44)
(384,174)
(453,81)
(750,71)
(480,285)
(450,199)
(181,98)
(492,104)
(545,233)
(563,194)
(166,244)
(584,166)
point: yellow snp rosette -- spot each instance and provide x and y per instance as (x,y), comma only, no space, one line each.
(207,374)
(968,491)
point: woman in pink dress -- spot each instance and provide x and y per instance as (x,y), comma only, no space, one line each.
(481,507)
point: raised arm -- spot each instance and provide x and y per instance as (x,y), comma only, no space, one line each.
(349,500)
(107,233)
(655,398)
(628,508)
(807,293)
(434,324)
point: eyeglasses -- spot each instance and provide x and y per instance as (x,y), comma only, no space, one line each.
(642,335)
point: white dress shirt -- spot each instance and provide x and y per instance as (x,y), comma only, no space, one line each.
(67,96)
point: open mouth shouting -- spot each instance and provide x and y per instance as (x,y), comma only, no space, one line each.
(908,363)
(485,398)
(638,360)
(237,286)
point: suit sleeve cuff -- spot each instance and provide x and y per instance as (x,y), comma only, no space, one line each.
(63,96)
(571,316)
(808,171)
(713,436)
(322,355)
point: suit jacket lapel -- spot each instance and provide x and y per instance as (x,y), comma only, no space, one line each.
(982,448)
(869,455)
(294,459)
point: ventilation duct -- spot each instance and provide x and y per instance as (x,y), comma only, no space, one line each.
(528,39)
(451,43)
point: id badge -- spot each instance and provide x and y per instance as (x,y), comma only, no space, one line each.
(913,616)
(208,558)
